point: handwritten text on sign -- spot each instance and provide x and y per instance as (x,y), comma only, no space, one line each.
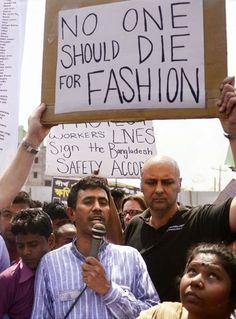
(131,54)
(116,149)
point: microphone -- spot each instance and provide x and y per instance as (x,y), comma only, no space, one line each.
(98,232)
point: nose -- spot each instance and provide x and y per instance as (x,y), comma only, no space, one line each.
(197,281)
(159,187)
(97,205)
(25,251)
(127,217)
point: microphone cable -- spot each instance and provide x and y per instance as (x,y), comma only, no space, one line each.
(98,231)
(74,303)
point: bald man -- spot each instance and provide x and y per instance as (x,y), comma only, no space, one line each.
(166,230)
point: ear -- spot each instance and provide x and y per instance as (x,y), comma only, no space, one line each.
(51,241)
(179,184)
(141,186)
(71,213)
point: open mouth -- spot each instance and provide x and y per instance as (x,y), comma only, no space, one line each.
(97,219)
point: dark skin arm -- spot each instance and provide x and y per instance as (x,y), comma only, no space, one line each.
(227,109)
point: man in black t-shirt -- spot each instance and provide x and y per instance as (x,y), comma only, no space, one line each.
(166,230)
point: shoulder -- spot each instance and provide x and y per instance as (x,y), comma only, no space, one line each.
(56,254)
(122,248)
(206,209)
(124,252)
(10,273)
(138,220)
(2,244)
(168,309)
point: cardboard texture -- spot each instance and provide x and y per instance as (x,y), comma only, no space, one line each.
(215,68)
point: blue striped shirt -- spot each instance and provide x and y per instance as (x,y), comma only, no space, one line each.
(59,281)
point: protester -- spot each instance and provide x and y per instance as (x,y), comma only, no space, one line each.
(21,201)
(17,172)
(207,288)
(57,212)
(4,256)
(165,231)
(33,231)
(116,284)
(64,234)
(118,195)
(131,206)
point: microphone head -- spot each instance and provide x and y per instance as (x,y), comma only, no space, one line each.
(98,231)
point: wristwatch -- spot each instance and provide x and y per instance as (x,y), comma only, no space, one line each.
(230,136)
(29,147)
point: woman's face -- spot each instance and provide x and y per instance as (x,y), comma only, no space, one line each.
(130,209)
(205,287)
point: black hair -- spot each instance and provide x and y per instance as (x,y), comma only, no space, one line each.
(32,220)
(117,193)
(90,181)
(22,198)
(56,210)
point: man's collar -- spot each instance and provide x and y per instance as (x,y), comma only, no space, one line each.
(25,272)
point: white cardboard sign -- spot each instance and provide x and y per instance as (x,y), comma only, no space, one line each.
(116,149)
(130,55)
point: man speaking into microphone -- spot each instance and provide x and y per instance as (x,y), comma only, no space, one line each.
(91,278)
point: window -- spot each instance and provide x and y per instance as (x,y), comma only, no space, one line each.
(48,183)
(35,174)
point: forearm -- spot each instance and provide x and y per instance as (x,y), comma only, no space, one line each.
(123,304)
(15,176)
(17,172)
(233,149)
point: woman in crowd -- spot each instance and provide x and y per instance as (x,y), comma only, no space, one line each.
(207,288)
(132,205)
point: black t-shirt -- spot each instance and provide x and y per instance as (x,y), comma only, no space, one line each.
(164,249)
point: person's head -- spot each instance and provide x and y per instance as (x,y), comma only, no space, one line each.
(160,184)
(64,234)
(32,229)
(88,203)
(132,205)
(36,203)
(57,212)
(21,201)
(208,286)
(118,195)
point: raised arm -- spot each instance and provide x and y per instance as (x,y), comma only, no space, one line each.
(17,172)
(227,108)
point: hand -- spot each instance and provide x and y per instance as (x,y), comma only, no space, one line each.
(37,131)
(94,276)
(227,105)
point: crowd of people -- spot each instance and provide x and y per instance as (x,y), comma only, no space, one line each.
(157,259)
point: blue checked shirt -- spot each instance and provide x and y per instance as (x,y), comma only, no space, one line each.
(59,281)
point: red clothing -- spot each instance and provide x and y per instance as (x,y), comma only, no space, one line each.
(17,291)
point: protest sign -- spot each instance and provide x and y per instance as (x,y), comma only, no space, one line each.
(12,31)
(61,188)
(148,57)
(115,149)
(132,59)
